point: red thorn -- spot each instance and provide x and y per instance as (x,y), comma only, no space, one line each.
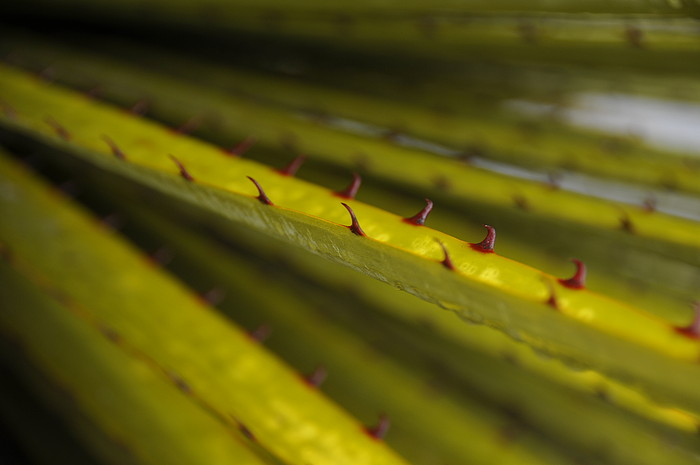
(487,245)
(69,188)
(578,281)
(213,296)
(188,126)
(246,432)
(650,204)
(241,148)
(528,32)
(447,261)
(115,150)
(521,202)
(261,333)
(140,108)
(112,221)
(355,226)
(693,329)
(93,92)
(262,197)
(180,383)
(60,130)
(380,429)
(634,36)
(183,172)
(351,191)
(316,377)
(552,299)
(292,168)
(109,333)
(162,256)
(392,135)
(626,223)
(554,180)
(47,74)
(419,218)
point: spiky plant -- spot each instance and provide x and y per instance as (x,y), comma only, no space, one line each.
(170,301)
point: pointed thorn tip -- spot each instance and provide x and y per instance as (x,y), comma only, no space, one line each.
(261,333)
(650,204)
(140,107)
(246,432)
(58,128)
(693,329)
(213,296)
(241,148)
(578,280)
(419,218)
(552,299)
(316,377)
(112,221)
(183,171)
(351,191)
(162,256)
(380,429)
(262,196)
(489,242)
(292,168)
(115,150)
(188,126)
(447,261)
(355,225)
(626,224)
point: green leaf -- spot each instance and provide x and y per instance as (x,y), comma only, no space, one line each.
(217,365)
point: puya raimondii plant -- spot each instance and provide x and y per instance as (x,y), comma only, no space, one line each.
(242,232)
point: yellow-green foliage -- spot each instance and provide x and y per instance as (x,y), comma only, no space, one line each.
(501,360)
